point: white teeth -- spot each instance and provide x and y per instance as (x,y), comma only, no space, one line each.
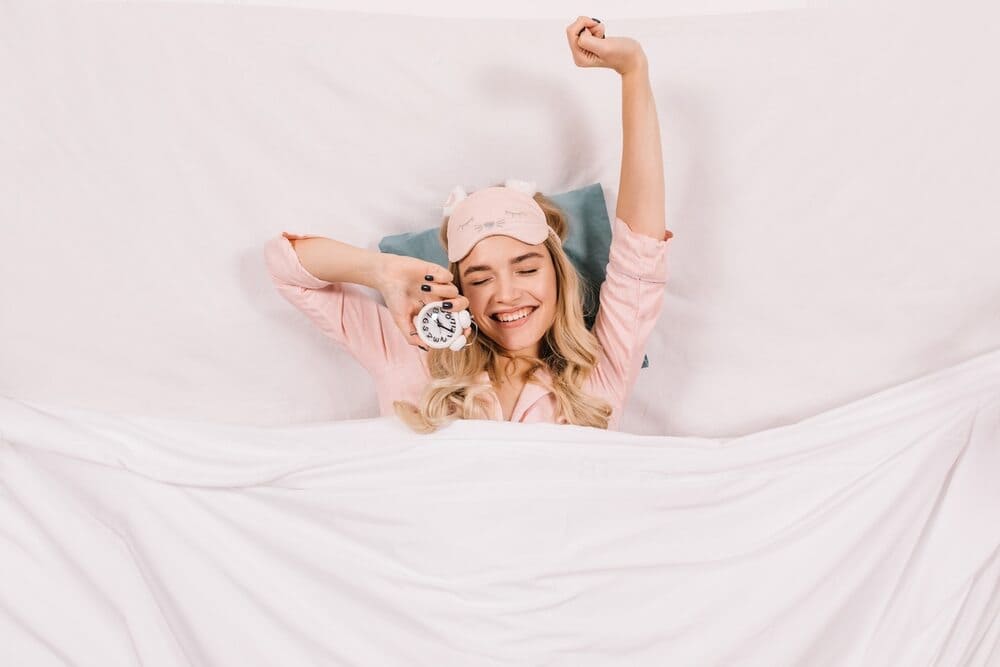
(515,316)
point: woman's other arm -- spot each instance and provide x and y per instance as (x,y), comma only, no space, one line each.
(337,262)
(318,286)
(310,271)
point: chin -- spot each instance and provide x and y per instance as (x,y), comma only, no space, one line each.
(519,340)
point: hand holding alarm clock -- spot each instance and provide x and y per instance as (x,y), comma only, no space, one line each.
(416,290)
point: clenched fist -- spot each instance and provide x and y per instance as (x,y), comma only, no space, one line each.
(592,48)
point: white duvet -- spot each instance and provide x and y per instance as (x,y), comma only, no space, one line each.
(867,535)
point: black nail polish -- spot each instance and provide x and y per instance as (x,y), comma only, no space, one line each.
(447,304)
(429,278)
(581,32)
(426,288)
(593,19)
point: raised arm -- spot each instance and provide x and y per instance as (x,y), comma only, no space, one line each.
(640,188)
(632,293)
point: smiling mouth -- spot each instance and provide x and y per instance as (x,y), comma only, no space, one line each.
(514,323)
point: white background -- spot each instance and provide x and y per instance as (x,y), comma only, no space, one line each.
(831,182)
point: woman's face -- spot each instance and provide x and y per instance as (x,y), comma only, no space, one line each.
(502,275)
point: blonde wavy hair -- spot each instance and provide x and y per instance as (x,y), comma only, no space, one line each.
(568,350)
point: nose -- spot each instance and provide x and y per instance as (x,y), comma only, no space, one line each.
(506,290)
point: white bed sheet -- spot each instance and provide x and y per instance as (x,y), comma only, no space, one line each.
(865,536)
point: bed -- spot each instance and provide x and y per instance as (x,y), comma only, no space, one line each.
(192,474)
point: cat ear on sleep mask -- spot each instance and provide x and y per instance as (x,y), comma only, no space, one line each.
(457,194)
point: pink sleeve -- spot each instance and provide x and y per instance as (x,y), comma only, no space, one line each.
(356,322)
(631,299)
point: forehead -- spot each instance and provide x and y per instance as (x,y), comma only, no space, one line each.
(498,250)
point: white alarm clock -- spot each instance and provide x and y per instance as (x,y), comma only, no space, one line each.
(441,328)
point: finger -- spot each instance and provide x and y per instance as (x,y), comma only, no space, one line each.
(437,290)
(585,52)
(437,273)
(459,303)
(589,42)
(410,333)
(414,339)
(573,29)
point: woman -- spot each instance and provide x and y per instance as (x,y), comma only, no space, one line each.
(545,366)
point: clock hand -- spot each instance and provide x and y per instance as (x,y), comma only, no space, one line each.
(438,321)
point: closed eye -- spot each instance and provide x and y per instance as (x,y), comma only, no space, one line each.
(480,282)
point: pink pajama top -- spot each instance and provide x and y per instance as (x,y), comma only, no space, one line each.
(631,298)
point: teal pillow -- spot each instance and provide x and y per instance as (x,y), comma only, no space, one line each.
(586,245)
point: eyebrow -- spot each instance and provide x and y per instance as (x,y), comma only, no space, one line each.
(519,258)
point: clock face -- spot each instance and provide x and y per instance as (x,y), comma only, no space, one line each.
(438,325)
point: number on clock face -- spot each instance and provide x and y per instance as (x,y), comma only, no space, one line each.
(439,317)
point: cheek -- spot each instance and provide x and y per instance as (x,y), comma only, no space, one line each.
(477,304)
(549,290)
